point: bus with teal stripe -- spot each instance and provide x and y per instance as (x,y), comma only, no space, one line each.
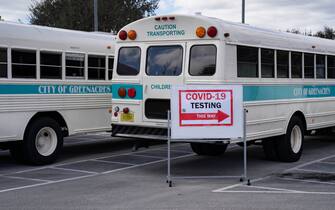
(288,80)
(53,83)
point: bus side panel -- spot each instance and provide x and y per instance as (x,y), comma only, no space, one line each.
(13,125)
(86,120)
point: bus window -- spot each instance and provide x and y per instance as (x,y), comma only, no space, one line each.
(164,61)
(96,67)
(51,65)
(110,67)
(268,63)
(282,64)
(23,63)
(309,65)
(247,61)
(331,66)
(75,65)
(129,61)
(3,62)
(296,63)
(203,60)
(320,66)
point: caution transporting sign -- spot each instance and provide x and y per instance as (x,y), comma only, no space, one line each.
(207,112)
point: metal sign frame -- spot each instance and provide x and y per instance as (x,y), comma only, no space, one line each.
(243,177)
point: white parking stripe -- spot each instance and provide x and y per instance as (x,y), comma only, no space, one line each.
(308,181)
(74,170)
(27,178)
(272,188)
(91,175)
(312,170)
(309,163)
(106,161)
(45,183)
(298,167)
(280,192)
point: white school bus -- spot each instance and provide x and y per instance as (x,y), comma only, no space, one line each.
(53,83)
(288,80)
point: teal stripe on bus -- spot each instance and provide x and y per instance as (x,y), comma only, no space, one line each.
(48,89)
(138,88)
(278,92)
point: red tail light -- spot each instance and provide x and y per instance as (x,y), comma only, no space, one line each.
(122,92)
(131,92)
(212,31)
(126,110)
(123,35)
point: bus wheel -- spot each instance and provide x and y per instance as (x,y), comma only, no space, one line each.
(269,148)
(208,149)
(42,142)
(290,145)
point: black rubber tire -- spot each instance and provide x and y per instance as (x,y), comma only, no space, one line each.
(16,151)
(270,148)
(207,149)
(26,151)
(284,148)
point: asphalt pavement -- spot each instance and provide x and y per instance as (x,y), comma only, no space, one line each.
(100,172)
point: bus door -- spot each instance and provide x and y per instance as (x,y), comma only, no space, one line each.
(163,68)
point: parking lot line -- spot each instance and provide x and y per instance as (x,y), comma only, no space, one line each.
(308,181)
(279,192)
(272,188)
(85,176)
(46,183)
(312,170)
(106,161)
(309,163)
(29,179)
(330,163)
(75,170)
(240,184)
(298,167)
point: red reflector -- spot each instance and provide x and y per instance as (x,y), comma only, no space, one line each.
(164,18)
(212,31)
(126,110)
(122,92)
(157,18)
(123,35)
(131,92)
(115,114)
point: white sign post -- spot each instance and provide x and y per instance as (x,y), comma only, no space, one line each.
(204,114)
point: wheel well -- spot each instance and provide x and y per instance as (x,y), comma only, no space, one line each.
(300,115)
(54,115)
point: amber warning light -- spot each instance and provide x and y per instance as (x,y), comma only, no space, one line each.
(201,32)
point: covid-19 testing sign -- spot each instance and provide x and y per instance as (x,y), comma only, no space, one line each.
(206,112)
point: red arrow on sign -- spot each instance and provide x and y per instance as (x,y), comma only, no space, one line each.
(219,116)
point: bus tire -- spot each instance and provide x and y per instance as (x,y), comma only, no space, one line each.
(207,149)
(290,145)
(270,148)
(16,151)
(43,141)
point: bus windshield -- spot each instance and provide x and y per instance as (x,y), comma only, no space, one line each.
(164,60)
